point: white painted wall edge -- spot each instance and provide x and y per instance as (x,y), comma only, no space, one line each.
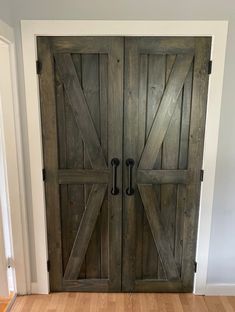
(4,292)
(220,290)
(15,171)
(30,29)
(6,32)
(13,299)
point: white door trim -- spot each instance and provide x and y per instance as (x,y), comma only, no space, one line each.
(4,291)
(13,164)
(30,29)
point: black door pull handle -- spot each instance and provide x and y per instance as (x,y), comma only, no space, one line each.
(130,164)
(115,163)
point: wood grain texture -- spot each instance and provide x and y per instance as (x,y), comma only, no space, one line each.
(83,176)
(160,235)
(155,90)
(90,86)
(86,107)
(71,149)
(170,152)
(140,217)
(130,151)
(166,45)
(103,302)
(163,176)
(85,231)
(144,242)
(50,155)
(82,45)
(182,165)
(80,109)
(195,155)
(7,302)
(166,110)
(87,285)
(79,158)
(104,214)
(158,88)
(115,149)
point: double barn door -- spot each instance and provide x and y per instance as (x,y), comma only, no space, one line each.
(123,127)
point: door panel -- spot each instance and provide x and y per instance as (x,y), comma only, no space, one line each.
(163,77)
(81,104)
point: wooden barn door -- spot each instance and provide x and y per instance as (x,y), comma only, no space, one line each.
(166,82)
(82,115)
(136,232)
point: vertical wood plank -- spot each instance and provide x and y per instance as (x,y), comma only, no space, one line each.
(170,161)
(103,85)
(156,85)
(143,83)
(61,118)
(115,146)
(78,159)
(185,120)
(183,163)
(130,151)
(90,83)
(195,153)
(75,204)
(50,152)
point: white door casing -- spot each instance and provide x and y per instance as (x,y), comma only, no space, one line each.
(13,180)
(30,29)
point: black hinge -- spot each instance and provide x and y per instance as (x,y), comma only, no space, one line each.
(201,175)
(38,67)
(48,265)
(44,174)
(195,266)
(209,67)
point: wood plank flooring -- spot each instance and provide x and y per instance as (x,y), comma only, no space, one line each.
(5,302)
(103,302)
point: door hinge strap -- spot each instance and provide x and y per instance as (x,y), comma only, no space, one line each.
(38,67)
(10,263)
(201,175)
(48,265)
(44,174)
(195,266)
(209,67)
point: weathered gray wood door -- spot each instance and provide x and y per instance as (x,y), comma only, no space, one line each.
(137,232)
(166,83)
(82,119)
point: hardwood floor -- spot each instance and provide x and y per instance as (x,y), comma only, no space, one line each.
(94,302)
(5,302)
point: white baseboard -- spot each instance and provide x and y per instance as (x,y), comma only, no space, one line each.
(220,290)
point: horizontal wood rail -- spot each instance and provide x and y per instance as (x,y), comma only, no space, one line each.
(149,285)
(163,176)
(83,176)
(87,285)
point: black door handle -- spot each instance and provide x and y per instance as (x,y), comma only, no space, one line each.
(115,163)
(130,164)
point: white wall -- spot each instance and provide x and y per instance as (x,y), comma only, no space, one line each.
(222,251)
(222,254)
(5,11)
